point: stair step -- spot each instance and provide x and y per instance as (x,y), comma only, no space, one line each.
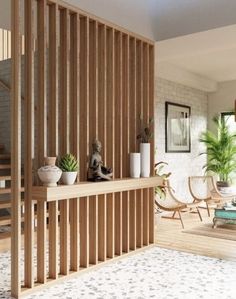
(7,177)
(5,156)
(6,220)
(6,204)
(5,166)
(8,190)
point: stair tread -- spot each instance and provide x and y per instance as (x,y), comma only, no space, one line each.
(8,190)
(5,166)
(5,156)
(6,203)
(7,177)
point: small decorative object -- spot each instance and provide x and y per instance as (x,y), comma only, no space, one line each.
(135,165)
(49,174)
(69,166)
(97,172)
(145,136)
(177,125)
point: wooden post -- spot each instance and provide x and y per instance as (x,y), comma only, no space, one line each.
(15,150)
(29,141)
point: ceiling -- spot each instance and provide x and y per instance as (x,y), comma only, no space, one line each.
(163,19)
(209,54)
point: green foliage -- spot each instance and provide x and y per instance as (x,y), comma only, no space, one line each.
(221,150)
(68,163)
(146,131)
(161,190)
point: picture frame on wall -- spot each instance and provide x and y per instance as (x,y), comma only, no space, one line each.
(177,128)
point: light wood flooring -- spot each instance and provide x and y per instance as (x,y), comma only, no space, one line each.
(169,235)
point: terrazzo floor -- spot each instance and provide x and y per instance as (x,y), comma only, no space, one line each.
(153,273)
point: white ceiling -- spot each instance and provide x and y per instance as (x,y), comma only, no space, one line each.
(156,19)
(209,54)
(163,19)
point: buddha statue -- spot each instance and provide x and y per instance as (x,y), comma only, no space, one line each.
(97,172)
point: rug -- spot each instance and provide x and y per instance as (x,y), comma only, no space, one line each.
(226,232)
(154,273)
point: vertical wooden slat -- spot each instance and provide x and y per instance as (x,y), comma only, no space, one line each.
(93,133)
(74,140)
(42,137)
(125,141)
(64,133)
(139,111)
(53,132)
(102,136)
(145,99)
(151,114)
(84,141)
(133,138)
(15,150)
(110,138)
(118,138)
(29,141)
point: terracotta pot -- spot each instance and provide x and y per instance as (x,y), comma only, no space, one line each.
(50,161)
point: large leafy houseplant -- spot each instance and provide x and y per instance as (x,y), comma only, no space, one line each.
(221,150)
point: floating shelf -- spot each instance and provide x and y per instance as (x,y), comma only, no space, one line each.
(84,189)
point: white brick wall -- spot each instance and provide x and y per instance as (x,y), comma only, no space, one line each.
(181,165)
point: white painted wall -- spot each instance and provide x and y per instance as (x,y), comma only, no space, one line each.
(182,165)
(221,101)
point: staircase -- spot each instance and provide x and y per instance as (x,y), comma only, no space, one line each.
(5,190)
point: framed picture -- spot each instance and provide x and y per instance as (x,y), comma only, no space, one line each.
(177,126)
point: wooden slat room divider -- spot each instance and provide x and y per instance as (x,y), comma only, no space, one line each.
(88,79)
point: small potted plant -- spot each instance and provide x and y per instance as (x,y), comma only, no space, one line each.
(145,136)
(69,167)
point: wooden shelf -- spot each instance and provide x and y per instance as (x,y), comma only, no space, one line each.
(84,189)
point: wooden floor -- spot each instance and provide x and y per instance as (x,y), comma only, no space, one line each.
(169,234)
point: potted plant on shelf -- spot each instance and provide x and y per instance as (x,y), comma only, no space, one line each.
(221,152)
(69,167)
(145,136)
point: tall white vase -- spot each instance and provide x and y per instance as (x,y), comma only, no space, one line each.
(135,165)
(145,159)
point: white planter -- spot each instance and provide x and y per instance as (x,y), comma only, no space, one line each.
(135,166)
(68,178)
(145,159)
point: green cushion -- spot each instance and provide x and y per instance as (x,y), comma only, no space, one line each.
(225,214)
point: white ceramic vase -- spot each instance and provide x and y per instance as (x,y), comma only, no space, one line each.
(145,159)
(49,174)
(68,178)
(135,168)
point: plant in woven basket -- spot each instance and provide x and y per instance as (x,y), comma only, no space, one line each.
(69,165)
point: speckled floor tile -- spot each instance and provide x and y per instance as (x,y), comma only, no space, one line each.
(154,273)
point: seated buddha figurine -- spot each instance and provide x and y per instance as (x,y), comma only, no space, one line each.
(97,172)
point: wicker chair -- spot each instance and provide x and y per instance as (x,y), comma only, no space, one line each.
(204,189)
(171,204)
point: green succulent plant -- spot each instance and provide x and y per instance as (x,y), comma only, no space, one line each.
(68,163)
(221,150)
